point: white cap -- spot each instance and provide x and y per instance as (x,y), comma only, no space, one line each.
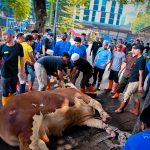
(75,57)
(49,52)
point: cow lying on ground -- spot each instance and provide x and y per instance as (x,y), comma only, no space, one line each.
(30,118)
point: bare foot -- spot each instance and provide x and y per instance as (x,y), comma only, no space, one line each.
(134,112)
(118,110)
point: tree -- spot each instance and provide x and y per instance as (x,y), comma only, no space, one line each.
(40,14)
(21,8)
(139,22)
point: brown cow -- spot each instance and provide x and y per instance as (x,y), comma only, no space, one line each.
(31,117)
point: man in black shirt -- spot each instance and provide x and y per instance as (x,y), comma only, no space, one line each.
(135,82)
(80,64)
(47,43)
(95,46)
(50,65)
(10,53)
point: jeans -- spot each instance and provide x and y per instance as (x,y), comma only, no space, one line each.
(9,85)
(30,70)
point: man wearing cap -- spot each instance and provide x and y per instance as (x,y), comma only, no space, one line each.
(102,59)
(80,64)
(95,46)
(51,65)
(135,82)
(10,52)
(48,43)
(62,46)
(78,48)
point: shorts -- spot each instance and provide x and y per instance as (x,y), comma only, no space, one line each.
(132,89)
(41,76)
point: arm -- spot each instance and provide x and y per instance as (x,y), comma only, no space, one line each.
(140,89)
(22,66)
(123,66)
(91,49)
(32,59)
(43,50)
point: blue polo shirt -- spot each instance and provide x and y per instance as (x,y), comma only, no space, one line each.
(61,47)
(79,50)
(139,141)
(148,68)
(102,57)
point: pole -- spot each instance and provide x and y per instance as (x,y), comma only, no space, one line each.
(55,19)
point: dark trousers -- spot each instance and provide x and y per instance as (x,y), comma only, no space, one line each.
(85,80)
(9,85)
(123,84)
(114,76)
(99,72)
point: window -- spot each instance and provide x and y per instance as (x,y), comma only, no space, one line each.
(77,17)
(93,19)
(113,4)
(96,2)
(102,20)
(103,8)
(111,21)
(120,11)
(118,17)
(111,16)
(117,23)
(103,14)
(112,9)
(86,14)
(95,7)
(94,13)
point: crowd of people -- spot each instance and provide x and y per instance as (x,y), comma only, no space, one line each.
(42,56)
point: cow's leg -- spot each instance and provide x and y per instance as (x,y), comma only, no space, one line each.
(24,142)
(96,105)
(99,124)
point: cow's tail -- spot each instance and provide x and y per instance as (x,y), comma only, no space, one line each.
(103,114)
(36,142)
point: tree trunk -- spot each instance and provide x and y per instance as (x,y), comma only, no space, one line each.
(51,14)
(40,14)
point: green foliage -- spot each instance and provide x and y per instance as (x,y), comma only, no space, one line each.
(132,1)
(141,21)
(21,8)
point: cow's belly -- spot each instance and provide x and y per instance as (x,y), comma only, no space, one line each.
(66,117)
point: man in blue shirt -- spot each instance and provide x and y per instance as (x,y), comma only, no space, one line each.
(141,140)
(78,48)
(102,59)
(62,46)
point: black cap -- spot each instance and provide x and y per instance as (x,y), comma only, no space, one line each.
(50,33)
(139,47)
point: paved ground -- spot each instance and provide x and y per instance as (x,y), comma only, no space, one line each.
(85,138)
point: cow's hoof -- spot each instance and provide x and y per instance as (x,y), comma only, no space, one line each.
(111,132)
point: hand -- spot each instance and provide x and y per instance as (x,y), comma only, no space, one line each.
(22,75)
(140,89)
(109,68)
(61,84)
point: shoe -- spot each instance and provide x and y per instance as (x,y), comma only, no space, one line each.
(115,88)
(91,88)
(110,84)
(116,95)
(82,90)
